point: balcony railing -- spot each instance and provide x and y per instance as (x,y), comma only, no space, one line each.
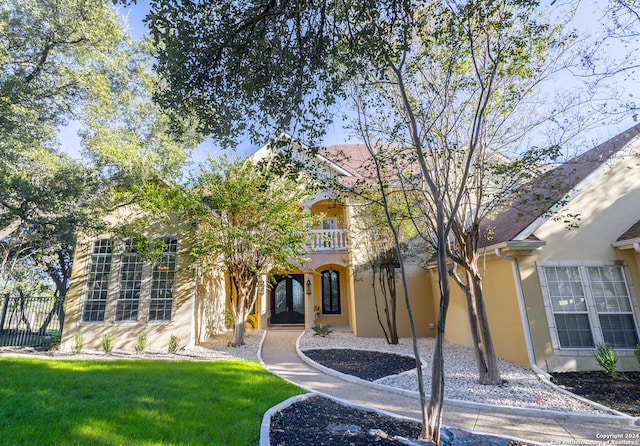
(329,240)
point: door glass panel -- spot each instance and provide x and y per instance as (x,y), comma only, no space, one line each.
(298,296)
(281,297)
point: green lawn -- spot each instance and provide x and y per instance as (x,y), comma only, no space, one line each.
(135,402)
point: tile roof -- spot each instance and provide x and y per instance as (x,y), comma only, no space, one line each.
(553,186)
(354,158)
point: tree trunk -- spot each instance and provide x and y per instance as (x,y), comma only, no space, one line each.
(239,329)
(391,298)
(491,361)
(478,348)
(435,408)
(375,301)
(246,293)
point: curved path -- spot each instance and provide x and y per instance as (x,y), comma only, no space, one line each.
(280,357)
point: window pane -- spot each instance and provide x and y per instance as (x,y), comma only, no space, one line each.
(297,292)
(574,330)
(609,289)
(619,330)
(565,289)
(130,284)
(162,283)
(330,292)
(99,272)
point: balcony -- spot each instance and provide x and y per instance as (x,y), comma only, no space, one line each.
(329,240)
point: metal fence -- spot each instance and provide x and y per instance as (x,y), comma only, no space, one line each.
(30,321)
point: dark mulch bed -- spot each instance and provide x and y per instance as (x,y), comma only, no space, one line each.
(621,393)
(365,364)
(320,421)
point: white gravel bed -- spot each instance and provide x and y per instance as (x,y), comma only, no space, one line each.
(214,349)
(523,387)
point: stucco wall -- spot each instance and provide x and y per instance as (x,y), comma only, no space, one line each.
(366,323)
(502,307)
(607,208)
(125,334)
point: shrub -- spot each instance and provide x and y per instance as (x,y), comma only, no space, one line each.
(607,358)
(142,343)
(322,330)
(107,343)
(173,344)
(53,343)
(229,320)
(637,352)
(78,343)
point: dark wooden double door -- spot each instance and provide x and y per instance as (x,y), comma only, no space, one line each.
(287,300)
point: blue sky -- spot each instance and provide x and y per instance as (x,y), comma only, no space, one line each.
(132,16)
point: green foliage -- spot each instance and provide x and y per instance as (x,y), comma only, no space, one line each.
(78,343)
(94,396)
(107,343)
(637,352)
(142,343)
(62,60)
(174,343)
(250,221)
(607,359)
(322,330)
(52,55)
(54,342)
(229,320)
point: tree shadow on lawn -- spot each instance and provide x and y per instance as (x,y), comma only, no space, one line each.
(137,401)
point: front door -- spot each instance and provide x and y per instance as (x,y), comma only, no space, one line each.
(287,300)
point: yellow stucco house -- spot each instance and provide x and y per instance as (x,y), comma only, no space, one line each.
(552,293)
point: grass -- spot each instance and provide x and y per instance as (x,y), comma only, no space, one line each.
(135,402)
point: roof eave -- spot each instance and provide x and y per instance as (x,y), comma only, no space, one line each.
(627,244)
(521,247)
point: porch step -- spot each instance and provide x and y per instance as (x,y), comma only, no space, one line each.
(286,327)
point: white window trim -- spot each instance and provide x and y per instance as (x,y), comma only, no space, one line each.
(594,320)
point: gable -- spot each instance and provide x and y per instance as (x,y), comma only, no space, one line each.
(560,186)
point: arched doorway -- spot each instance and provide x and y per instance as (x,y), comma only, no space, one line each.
(287,300)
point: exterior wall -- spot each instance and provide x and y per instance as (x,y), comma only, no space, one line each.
(502,307)
(345,279)
(607,209)
(209,304)
(366,323)
(125,334)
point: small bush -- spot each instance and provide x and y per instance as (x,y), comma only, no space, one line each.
(607,358)
(53,343)
(142,343)
(78,343)
(322,330)
(637,352)
(229,320)
(173,344)
(107,343)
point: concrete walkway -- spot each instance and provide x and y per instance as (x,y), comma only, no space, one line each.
(279,356)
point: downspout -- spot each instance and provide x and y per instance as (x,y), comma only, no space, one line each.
(636,246)
(523,313)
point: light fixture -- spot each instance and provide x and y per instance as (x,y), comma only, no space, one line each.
(261,286)
(309,287)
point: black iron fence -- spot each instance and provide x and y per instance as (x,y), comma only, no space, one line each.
(30,321)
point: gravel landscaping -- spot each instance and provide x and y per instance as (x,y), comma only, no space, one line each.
(523,388)
(216,348)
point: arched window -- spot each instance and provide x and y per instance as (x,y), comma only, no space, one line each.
(330,292)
